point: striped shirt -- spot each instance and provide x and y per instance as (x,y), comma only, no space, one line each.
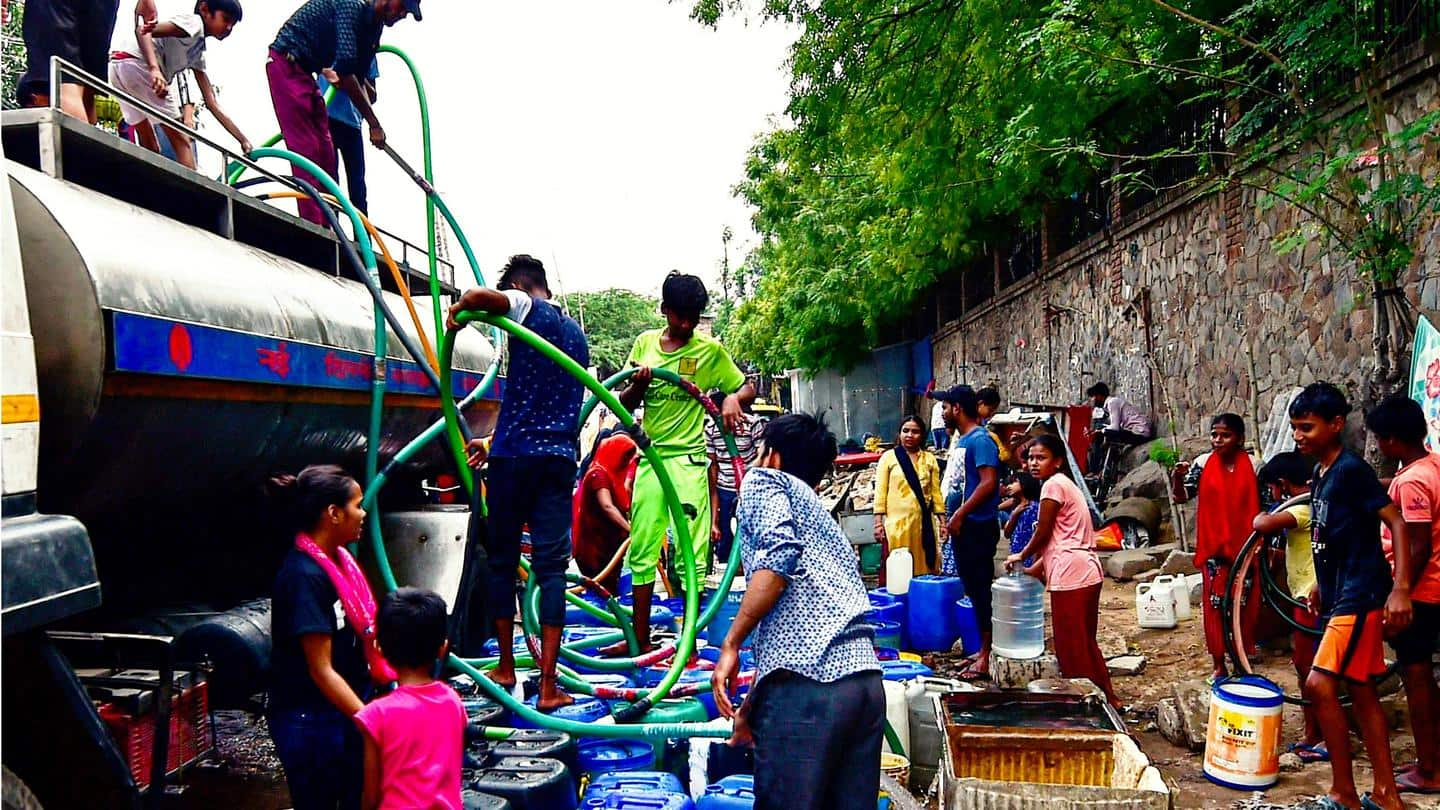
(751,430)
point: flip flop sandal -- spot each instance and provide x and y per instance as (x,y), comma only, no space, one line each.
(1367,803)
(1310,753)
(1409,782)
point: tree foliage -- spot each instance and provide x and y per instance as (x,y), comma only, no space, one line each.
(923,132)
(613,319)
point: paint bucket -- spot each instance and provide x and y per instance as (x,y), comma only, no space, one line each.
(1242,741)
(1155,606)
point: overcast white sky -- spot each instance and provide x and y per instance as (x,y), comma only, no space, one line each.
(602,137)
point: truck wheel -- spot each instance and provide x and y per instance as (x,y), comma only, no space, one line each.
(14,795)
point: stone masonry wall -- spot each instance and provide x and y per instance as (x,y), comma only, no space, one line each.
(1219,300)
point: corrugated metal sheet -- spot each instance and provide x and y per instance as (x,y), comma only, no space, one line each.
(1053,757)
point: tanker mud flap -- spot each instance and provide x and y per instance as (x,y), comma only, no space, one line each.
(52,737)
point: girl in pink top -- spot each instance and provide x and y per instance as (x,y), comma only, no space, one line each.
(415,734)
(1064,543)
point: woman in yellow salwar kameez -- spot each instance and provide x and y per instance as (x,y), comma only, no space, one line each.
(907,497)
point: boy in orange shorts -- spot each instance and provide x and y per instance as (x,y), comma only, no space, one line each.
(1359,600)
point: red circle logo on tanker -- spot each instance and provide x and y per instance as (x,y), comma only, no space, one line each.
(1432,379)
(181,352)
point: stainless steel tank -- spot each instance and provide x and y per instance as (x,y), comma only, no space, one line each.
(178,369)
(426,548)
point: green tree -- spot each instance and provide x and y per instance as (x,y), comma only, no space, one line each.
(613,319)
(12,52)
(925,131)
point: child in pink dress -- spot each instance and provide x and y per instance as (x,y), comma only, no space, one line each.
(414,735)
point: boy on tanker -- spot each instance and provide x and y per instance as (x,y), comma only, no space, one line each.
(675,424)
(1359,601)
(148,56)
(532,464)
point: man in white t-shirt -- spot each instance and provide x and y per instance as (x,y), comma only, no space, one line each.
(147,54)
(939,433)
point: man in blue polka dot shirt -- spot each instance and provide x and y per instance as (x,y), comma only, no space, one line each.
(817,710)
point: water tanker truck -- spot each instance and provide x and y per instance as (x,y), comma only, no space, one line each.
(170,342)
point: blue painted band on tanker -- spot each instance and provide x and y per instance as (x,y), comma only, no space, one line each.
(149,345)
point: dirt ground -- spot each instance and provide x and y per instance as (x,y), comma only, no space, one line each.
(1178,655)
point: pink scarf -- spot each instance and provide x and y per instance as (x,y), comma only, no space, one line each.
(355,597)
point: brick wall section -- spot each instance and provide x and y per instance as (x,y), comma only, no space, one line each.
(1217,293)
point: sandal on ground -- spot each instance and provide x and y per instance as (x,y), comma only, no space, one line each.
(1309,753)
(1367,803)
(1409,782)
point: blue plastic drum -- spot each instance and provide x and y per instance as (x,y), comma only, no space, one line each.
(930,616)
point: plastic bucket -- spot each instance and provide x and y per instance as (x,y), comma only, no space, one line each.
(887,654)
(725,616)
(1242,741)
(887,634)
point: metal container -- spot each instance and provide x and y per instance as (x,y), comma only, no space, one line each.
(426,548)
(179,368)
(1022,751)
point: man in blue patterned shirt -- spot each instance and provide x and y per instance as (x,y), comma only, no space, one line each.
(339,34)
(532,464)
(817,710)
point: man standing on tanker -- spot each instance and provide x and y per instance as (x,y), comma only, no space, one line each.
(675,424)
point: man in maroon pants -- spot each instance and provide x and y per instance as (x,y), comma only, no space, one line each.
(339,34)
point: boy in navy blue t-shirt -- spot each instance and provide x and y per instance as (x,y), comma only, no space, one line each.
(1359,601)
(532,464)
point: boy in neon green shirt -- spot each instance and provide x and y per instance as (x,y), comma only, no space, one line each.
(675,423)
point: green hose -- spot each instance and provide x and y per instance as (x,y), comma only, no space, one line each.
(677,515)
(429,178)
(452,429)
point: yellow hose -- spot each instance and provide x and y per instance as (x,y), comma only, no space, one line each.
(389,262)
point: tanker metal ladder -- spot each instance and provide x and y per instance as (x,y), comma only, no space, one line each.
(53,143)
